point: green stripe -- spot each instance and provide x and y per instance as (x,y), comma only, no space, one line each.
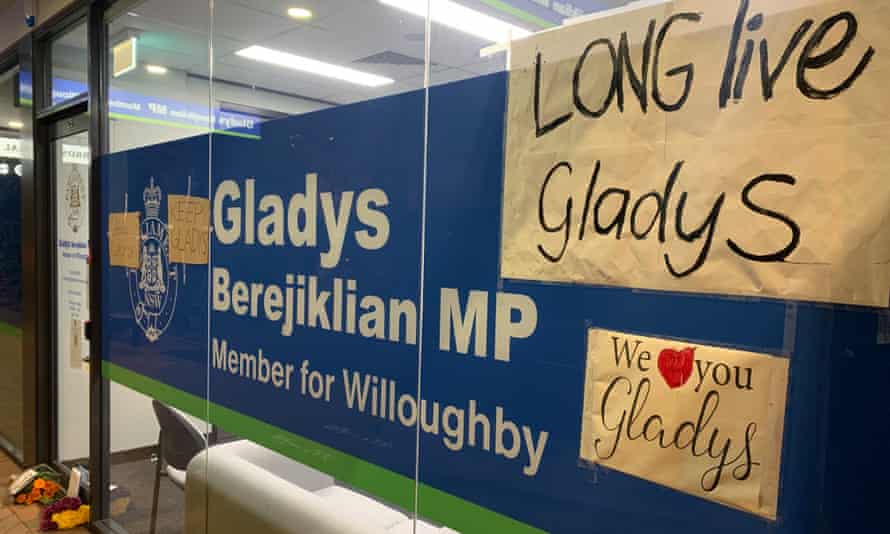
(146,120)
(500,5)
(10,330)
(397,489)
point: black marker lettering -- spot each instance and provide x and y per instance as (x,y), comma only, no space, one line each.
(732,54)
(780,255)
(564,225)
(768,79)
(618,220)
(541,131)
(710,224)
(753,25)
(809,62)
(688,69)
(613,85)
(639,84)
(586,212)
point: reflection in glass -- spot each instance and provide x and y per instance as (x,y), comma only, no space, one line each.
(13,150)
(68,71)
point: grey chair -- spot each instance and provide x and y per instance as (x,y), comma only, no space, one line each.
(178,443)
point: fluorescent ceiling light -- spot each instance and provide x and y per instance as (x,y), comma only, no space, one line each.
(299,13)
(312,66)
(18,125)
(462,18)
(156,69)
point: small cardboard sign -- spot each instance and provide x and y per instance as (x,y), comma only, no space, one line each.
(73,484)
(188,222)
(75,343)
(124,239)
(700,419)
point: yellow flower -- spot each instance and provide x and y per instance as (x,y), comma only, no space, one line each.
(72,518)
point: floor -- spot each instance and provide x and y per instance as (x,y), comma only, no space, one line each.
(15,518)
(137,477)
(11,424)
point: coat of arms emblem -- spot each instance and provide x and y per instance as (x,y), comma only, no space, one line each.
(74,200)
(154,285)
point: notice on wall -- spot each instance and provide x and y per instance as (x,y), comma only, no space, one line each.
(75,344)
(700,419)
(189,226)
(124,240)
(722,147)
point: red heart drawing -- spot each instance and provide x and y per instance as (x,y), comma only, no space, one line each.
(676,366)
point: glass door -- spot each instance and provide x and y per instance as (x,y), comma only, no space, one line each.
(71,227)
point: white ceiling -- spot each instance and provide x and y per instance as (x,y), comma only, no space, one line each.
(176,34)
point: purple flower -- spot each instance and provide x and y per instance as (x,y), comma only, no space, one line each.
(62,505)
(71,503)
(47,525)
(48,512)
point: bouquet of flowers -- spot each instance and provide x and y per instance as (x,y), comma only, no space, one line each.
(45,488)
(66,513)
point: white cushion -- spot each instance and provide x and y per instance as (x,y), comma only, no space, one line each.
(290,470)
(228,495)
(364,509)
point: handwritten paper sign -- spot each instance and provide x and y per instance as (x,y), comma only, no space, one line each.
(189,225)
(703,420)
(733,146)
(124,239)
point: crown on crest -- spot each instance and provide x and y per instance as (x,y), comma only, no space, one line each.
(152,198)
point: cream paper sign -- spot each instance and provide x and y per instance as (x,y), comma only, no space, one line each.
(189,224)
(700,419)
(720,146)
(124,239)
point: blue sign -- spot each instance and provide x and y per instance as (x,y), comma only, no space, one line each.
(131,106)
(333,326)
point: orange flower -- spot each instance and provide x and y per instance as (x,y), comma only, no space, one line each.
(20,498)
(40,483)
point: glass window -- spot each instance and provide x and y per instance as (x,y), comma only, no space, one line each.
(334,91)
(513,409)
(15,152)
(68,65)
(156,309)
(159,90)
(339,295)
